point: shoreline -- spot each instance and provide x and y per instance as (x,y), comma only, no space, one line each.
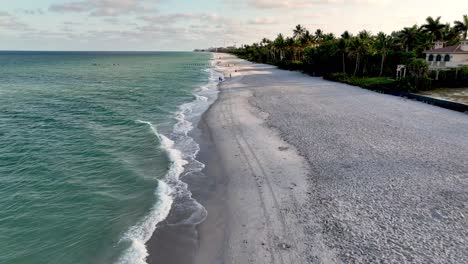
(303,170)
(175,238)
(269,229)
(207,242)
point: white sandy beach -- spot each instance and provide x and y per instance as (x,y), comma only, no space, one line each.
(260,216)
(310,171)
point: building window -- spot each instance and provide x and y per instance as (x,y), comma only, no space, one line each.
(447,58)
(438,58)
(431,57)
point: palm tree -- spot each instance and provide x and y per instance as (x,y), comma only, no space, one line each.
(462,26)
(266,45)
(346,35)
(359,47)
(408,36)
(450,35)
(298,32)
(278,44)
(306,39)
(422,43)
(434,27)
(328,37)
(318,36)
(382,45)
(343,47)
(367,40)
(355,47)
(289,44)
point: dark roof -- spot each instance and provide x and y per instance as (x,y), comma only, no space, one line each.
(449,49)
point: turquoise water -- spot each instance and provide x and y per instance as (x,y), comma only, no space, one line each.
(83,159)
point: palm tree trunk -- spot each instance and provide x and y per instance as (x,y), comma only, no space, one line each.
(344,62)
(357,65)
(381,65)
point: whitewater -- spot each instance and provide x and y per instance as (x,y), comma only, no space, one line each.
(181,151)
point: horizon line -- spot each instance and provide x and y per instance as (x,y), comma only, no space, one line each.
(6,50)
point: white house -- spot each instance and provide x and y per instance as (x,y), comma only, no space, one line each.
(443,58)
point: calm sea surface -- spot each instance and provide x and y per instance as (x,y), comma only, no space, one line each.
(91,148)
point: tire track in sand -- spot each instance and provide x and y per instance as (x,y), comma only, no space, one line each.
(260,175)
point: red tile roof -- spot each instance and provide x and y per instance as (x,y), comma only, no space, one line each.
(449,49)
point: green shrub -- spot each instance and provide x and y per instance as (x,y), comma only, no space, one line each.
(424,83)
(291,65)
(464,70)
(418,68)
(364,82)
(414,84)
(372,82)
(336,76)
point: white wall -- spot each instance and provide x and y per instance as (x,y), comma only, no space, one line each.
(455,60)
(458,59)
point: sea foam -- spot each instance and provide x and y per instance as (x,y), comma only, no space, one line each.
(181,152)
(140,233)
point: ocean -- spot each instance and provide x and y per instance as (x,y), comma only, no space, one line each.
(93,146)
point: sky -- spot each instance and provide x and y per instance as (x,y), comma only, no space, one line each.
(149,25)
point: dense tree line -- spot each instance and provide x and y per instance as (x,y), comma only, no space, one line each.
(363,54)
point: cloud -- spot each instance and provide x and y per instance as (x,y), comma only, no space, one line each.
(71,23)
(112,20)
(184,18)
(266,4)
(167,19)
(263,21)
(11,23)
(106,7)
(37,11)
(197,28)
(271,4)
(185,27)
